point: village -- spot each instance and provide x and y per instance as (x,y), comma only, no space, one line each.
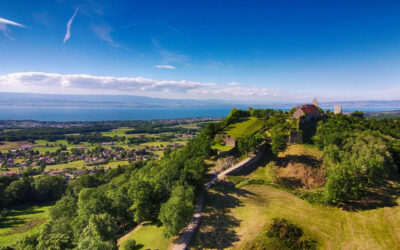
(70,158)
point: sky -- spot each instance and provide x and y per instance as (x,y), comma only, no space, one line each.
(266,51)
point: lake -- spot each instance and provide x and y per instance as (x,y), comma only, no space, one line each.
(76,113)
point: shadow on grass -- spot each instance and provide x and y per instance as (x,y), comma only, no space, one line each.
(267,157)
(218,226)
(384,196)
(12,219)
(302,159)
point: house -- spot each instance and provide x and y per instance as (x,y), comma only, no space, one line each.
(108,143)
(306,112)
(24,147)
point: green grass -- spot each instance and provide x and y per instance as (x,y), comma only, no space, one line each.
(21,222)
(246,127)
(233,217)
(119,132)
(150,236)
(81,164)
(72,164)
(221,147)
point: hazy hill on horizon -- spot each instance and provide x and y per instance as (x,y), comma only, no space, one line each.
(35,99)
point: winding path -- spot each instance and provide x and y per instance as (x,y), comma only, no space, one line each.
(187,235)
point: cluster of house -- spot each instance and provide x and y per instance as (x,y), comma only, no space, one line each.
(25,156)
(306,112)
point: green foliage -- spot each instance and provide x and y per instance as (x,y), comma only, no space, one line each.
(281,234)
(235,115)
(178,210)
(248,143)
(363,161)
(130,245)
(279,141)
(49,188)
(271,171)
(343,184)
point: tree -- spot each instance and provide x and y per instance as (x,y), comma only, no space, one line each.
(49,188)
(343,185)
(278,142)
(144,207)
(177,211)
(66,207)
(248,143)
(101,227)
(20,191)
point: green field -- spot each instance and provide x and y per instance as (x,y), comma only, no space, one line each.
(149,236)
(119,132)
(81,164)
(246,127)
(21,222)
(221,147)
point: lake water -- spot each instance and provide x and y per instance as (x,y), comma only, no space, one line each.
(74,113)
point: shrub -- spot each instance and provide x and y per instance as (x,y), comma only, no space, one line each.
(281,234)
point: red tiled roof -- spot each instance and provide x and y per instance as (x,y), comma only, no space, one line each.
(309,109)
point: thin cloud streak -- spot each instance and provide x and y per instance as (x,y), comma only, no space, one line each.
(103,32)
(4,23)
(179,32)
(165,66)
(69,23)
(9,22)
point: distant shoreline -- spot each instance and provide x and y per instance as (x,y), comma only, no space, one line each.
(87,114)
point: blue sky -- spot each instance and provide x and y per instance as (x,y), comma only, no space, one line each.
(268,51)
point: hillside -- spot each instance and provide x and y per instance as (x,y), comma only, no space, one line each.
(234,216)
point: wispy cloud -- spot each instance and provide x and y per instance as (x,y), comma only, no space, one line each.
(4,23)
(233,83)
(103,32)
(168,56)
(178,32)
(40,82)
(69,23)
(164,66)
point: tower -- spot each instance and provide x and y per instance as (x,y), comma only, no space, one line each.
(337,109)
(315,102)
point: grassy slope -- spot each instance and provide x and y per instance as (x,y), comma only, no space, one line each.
(234,217)
(150,236)
(221,147)
(20,223)
(248,126)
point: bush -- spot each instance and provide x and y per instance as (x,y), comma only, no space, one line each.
(281,234)
(271,171)
(130,245)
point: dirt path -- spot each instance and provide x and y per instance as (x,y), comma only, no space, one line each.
(187,235)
